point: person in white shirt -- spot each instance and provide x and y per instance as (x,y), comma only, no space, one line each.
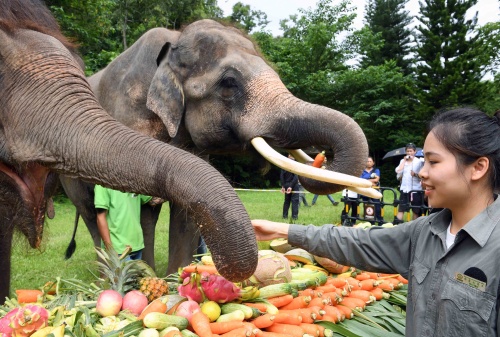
(407,172)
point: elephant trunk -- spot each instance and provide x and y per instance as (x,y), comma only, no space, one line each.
(67,131)
(297,124)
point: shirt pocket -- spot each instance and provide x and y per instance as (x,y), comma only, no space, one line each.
(419,272)
(464,311)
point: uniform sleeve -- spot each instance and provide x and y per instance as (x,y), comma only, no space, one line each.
(377,172)
(101,197)
(379,249)
(145,199)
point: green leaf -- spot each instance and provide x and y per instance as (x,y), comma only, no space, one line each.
(337,328)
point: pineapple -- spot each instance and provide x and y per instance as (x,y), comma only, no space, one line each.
(153,287)
(120,274)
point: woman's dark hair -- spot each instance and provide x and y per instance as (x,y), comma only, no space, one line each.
(469,134)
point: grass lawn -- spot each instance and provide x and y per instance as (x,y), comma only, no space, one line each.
(32,268)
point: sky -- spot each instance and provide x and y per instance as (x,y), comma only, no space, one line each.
(276,10)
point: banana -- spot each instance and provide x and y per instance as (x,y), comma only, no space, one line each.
(57,331)
(316,268)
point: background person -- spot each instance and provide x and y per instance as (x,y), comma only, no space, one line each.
(437,252)
(119,219)
(407,171)
(373,175)
(289,184)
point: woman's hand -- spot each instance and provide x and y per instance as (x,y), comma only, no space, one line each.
(266,230)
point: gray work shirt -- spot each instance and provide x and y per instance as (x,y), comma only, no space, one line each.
(438,304)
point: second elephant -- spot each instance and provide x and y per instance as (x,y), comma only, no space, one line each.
(208,90)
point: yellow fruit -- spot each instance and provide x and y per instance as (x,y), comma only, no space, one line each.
(211,309)
(153,287)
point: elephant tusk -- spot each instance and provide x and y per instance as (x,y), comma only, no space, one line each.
(304,170)
(303,157)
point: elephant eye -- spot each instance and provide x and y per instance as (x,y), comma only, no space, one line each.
(229,87)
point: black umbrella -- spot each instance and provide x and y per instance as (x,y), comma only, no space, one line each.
(398,152)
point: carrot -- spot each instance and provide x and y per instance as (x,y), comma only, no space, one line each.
(353,303)
(333,296)
(374,276)
(310,329)
(261,333)
(257,305)
(308,315)
(320,302)
(364,295)
(339,282)
(395,282)
(368,284)
(297,302)
(385,285)
(321,330)
(280,301)
(200,268)
(264,321)
(379,294)
(353,283)
(319,159)
(223,327)
(157,305)
(289,329)
(288,317)
(362,276)
(345,310)
(308,292)
(317,312)
(402,279)
(332,311)
(326,288)
(201,324)
(239,332)
(28,295)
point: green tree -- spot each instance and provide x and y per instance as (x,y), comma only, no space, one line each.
(388,19)
(313,45)
(449,68)
(247,17)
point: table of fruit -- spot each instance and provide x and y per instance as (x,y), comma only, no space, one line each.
(292,293)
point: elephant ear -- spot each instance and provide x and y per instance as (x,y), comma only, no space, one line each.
(165,95)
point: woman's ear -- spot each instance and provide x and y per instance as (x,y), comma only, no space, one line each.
(480,168)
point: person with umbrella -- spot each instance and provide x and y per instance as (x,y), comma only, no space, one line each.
(407,172)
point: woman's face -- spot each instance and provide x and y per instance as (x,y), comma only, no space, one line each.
(443,183)
(410,151)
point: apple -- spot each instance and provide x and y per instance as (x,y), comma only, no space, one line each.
(134,301)
(109,303)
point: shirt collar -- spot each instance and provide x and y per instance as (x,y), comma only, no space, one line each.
(479,228)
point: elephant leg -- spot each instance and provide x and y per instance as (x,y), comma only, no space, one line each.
(149,218)
(183,239)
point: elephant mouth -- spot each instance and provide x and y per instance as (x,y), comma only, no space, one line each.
(30,182)
(356,184)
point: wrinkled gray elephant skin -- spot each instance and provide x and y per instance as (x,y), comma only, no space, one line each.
(51,123)
(207,89)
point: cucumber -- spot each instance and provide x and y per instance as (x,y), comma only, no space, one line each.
(236,315)
(230,307)
(160,321)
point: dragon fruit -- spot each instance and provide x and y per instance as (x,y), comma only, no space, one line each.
(191,289)
(217,288)
(26,320)
(5,329)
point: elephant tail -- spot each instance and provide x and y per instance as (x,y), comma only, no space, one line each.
(72,245)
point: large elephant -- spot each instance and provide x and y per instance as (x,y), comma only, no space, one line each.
(207,89)
(51,123)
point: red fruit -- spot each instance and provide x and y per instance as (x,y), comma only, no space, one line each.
(134,301)
(109,303)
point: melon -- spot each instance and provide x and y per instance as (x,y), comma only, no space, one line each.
(300,255)
(272,268)
(330,265)
(280,245)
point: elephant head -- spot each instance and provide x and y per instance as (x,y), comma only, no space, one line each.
(51,122)
(214,81)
